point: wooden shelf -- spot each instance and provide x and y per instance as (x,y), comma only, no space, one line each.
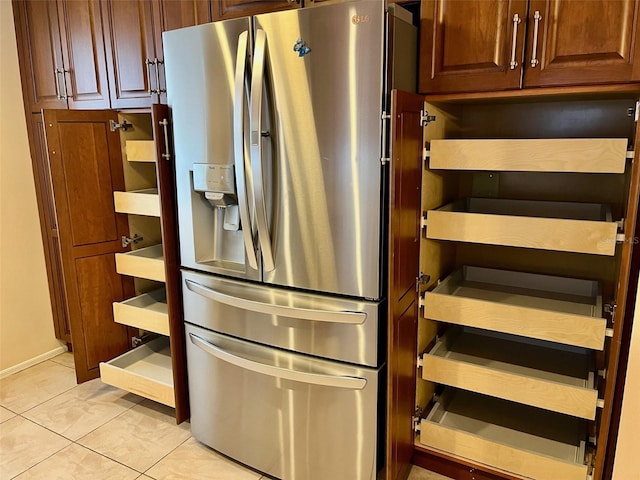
(507,436)
(557,379)
(585,155)
(142,263)
(138,202)
(145,371)
(561,226)
(147,311)
(557,309)
(140,151)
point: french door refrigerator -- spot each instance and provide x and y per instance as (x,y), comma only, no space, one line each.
(279,139)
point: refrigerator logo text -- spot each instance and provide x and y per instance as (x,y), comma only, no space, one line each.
(356,19)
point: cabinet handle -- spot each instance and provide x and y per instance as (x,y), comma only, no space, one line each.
(516,21)
(148,62)
(157,62)
(534,49)
(57,72)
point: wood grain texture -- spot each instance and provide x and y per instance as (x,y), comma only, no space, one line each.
(147,312)
(226,9)
(592,155)
(144,263)
(138,202)
(140,151)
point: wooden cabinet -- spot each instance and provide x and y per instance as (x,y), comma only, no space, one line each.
(469,46)
(226,9)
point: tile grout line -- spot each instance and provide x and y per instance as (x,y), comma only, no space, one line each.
(165,456)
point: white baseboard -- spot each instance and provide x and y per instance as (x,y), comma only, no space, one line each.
(32,361)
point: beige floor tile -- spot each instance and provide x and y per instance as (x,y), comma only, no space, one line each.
(5,414)
(65,359)
(28,388)
(82,409)
(78,463)
(192,460)
(139,437)
(418,473)
(23,444)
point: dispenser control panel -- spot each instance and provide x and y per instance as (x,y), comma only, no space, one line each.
(209,177)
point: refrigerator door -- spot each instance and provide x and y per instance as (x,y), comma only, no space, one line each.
(277,411)
(207,74)
(320,121)
(320,325)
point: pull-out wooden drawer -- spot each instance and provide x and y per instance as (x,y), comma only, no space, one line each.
(557,379)
(145,371)
(138,202)
(142,263)
(586,155)
(561,226)
(508,436)
(147,311)
(140,151)
(557,309)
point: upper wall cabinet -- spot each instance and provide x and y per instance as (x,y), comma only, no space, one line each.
(471,46)
(225,9)
(61,54)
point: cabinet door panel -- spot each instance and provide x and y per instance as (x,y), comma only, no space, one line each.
(129,43)
(225,9)
(467,45)
(583,42)
(184,13)
(83,45)
(40,52)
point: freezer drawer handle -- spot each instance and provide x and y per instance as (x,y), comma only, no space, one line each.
(351,383)
(336,316)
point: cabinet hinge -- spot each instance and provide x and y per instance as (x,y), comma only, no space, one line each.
(425,118)
(610,308)
(126,241)
(416,419)
(125,126)
(422,280)
(633,111)
(137,341)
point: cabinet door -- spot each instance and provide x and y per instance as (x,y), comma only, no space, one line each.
(225,9)
(129,46)
(579,42)
(86,168)
(469,46)
(40,53)
(49,228)
(83,46)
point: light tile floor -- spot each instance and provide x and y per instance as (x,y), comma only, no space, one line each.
(51,428)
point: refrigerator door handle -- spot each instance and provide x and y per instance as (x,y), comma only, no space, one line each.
(239,148)
(329,316)
(351,383)
(256,139)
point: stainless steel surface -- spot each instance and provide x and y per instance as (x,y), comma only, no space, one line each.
(335,381)
(276,317)
(256,140)
(514,41)
(61,96)
(165,123)
(201,91)
(239,148)
(283,427)
(157,62)
(325,228)
(148,62)
(534,48)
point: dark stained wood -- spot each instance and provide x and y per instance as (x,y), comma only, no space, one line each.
(49,229)
(584,42)
(39,52)
(86,167)
(129,41)
(404,261)
(226,9)
(465,45)
(83,47)
(168,220)
(624,279)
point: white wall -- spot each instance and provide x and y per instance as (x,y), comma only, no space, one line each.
(26,324)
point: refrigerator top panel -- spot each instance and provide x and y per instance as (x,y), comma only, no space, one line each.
(323,91)
(201,80)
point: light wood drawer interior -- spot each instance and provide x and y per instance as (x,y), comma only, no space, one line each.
(145,262)
(138,202)
(509,436)
(553,377)
(581,155)
(561,226)
(147,311)
(557,309)
(145,371)
(140,151)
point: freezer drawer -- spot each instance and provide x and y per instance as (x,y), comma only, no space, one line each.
(330,327)
(290,416)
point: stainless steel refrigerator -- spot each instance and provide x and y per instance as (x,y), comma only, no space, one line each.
(279,138)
